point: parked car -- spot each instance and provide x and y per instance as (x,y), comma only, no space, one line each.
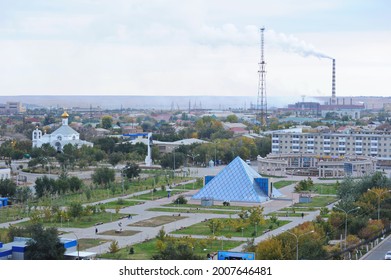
(388,256)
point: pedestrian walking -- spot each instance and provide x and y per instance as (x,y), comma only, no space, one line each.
(96,230)
(302,215)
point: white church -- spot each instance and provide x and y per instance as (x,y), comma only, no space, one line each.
(59,138)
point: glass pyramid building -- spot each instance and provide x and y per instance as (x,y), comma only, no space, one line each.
(237,182)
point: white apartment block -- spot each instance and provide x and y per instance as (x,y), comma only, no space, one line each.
(369,143)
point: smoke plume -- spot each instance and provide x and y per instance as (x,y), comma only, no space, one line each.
(290,43)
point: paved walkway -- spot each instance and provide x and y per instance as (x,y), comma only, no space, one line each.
(140,213)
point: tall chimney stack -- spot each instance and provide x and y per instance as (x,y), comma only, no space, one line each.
(333,95)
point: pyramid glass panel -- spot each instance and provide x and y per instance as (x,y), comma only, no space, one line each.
(236,182)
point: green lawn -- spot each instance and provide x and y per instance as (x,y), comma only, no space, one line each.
(12,213)
(86,243)
(122,203)
(239,208)
(4,235)
(325,188)
(192,210)
(203,229)
(318,201)
(190,186)
(82,222)
(101,193)
(119,233)
(157,221)
(157,195)
(283,183)
(145,250)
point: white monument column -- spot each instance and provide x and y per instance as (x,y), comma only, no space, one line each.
(148,158)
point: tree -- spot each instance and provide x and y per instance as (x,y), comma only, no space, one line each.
(44,244)
(115,158)
(114,248)
(105,144)
(176,249)
(256,217)
(304,185)
(132,170)
(180,200)
(171,159)
(45,186)
(232,119)
(103,176)
(76,209)
(107,122)
(263,145)
(215,225)
(7,188)
(75,184)
(270,249)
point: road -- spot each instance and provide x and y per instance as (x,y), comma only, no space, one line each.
(379,251)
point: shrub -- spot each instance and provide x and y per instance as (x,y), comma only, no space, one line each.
(180,200)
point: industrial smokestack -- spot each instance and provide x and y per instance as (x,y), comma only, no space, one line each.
(333,95)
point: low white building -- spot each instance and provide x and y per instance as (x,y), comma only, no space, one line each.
(5,173)
(59,138)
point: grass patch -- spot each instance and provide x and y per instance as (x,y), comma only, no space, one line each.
(157,221)
(249,231)
(285,214)
(4,235)
(145,250)
(157,195)
(86,243)
(318,201)
(98,194)
(283,183)
(239,208)
(120,202)
(325,188)
(190,186)
(271,176)
(82,222)
(192,210)
(12,213)
(120,233)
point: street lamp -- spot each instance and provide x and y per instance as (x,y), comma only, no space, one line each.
(48,163)
(346,219)
(297,241)
(193,156)
(378,201)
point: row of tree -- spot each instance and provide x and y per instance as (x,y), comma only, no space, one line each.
(365,207)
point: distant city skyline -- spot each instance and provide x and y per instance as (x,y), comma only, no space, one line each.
(110,102)
(194,48)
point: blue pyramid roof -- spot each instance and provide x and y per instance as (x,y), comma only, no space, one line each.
(236,182)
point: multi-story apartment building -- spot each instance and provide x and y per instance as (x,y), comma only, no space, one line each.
(365,143)
(12,108)
(326,154)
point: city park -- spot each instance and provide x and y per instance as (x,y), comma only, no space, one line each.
(224,225)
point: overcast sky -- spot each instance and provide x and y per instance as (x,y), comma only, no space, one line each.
(200,47)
